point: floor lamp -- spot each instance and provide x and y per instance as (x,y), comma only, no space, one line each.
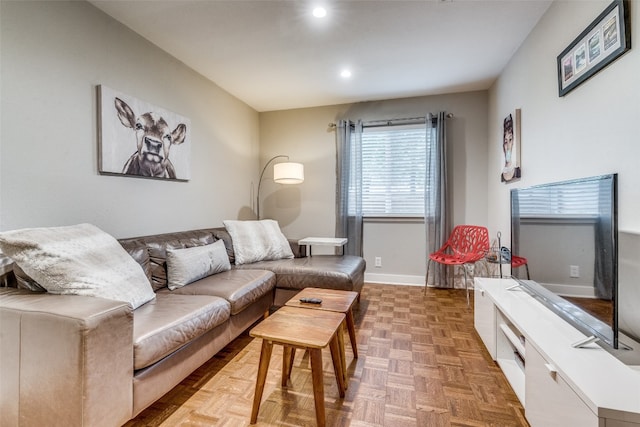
(283,173)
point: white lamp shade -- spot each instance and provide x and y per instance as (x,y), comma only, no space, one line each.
(288,173)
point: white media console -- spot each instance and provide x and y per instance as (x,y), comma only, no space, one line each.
(558,385)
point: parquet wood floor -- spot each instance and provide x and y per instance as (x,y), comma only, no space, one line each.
(421,364)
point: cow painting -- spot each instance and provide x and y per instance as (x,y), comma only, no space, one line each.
(158,138)
(154,139)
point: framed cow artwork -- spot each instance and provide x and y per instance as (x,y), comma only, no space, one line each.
(138,139)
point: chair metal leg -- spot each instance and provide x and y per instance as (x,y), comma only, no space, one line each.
(426,281)
(466,286)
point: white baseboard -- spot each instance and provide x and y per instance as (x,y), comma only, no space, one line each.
(394,279)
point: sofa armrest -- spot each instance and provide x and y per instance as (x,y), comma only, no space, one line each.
(65,359)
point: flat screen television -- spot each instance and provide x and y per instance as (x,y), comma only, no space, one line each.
(568,233)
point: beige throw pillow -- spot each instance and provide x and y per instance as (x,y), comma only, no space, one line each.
(257,241)
(78,260)
(187,265)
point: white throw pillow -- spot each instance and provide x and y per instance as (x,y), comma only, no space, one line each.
(78,260)
(257,241)
(187,265)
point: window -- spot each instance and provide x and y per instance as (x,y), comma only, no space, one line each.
(393,171)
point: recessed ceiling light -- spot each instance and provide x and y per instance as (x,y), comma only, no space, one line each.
(345,74)
(319,12)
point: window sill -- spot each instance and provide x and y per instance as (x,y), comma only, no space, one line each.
(394,219)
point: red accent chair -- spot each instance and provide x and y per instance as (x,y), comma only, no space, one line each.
(466,245)
(519,261)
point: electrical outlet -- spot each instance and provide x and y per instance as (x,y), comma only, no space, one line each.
(574,271)
(378,261)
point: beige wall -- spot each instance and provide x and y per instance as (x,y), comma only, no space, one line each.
(308,209)
(53,55)
(592,130)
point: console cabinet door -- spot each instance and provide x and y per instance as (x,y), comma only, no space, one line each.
(485,319)
(550,401)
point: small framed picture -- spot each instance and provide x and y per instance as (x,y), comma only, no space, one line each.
(511,166)
(604,40)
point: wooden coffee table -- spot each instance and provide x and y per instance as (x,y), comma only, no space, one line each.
(332,300)
(309,330)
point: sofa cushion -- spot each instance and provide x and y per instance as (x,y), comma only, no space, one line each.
(324,271)
(158,244)
(23,281)
(221,233)
(257,241)
(190,264)
(139,252)
(171,321)
(78,260)
(239,287)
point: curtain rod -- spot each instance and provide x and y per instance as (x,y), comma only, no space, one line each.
(395,122)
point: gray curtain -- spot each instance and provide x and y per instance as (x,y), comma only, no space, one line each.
(436,199)
(349,177)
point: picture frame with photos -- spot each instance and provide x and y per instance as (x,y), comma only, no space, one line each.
(602,42)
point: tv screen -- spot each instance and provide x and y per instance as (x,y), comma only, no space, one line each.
(567,231)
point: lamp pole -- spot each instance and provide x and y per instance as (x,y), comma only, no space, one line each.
(260,181)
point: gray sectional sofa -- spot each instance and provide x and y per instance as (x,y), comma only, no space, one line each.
(91,361)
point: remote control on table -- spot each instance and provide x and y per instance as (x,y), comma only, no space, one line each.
(311,300)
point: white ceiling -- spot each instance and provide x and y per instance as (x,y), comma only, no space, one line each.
(275,55)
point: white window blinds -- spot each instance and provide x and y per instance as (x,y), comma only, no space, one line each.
(393,171)
(581,198)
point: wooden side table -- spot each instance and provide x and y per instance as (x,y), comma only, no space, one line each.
(336,301)
(323,241)
(310,330)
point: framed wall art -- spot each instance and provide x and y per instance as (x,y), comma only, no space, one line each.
(139,139)
(511,148)
(604,40)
